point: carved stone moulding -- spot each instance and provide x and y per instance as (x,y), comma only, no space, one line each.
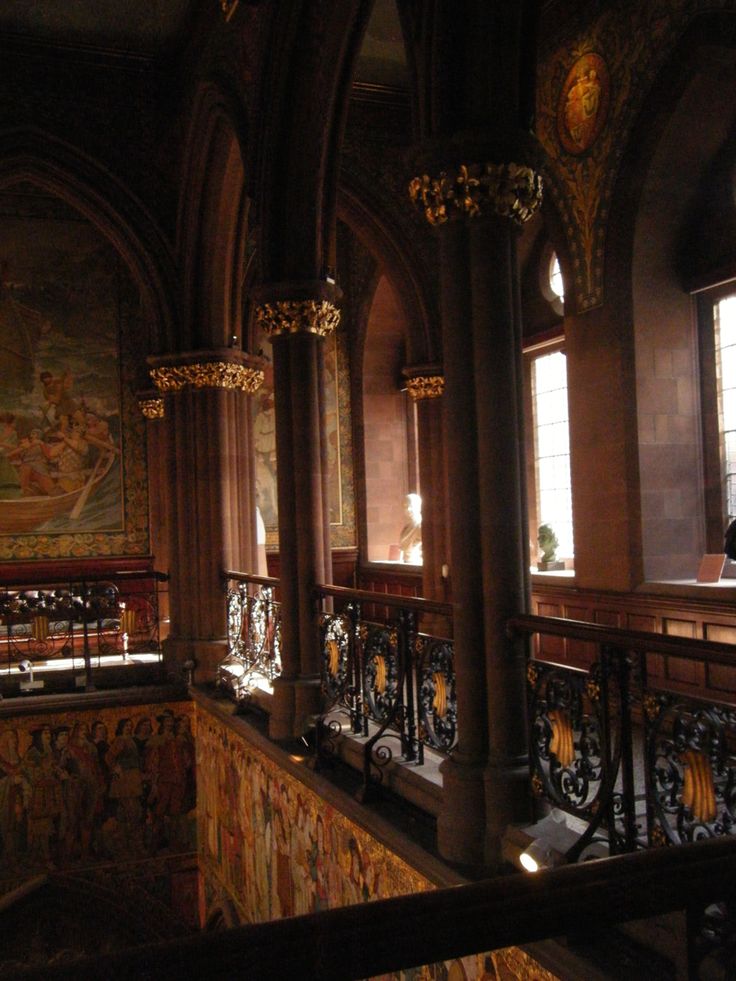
(508,190)
(152,408)
(319,317)
(425,387)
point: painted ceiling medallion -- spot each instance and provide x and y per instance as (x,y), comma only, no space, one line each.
(583,106)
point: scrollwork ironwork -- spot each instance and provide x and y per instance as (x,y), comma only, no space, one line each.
(254,639)
(691,769)
(436,693)
(567,752)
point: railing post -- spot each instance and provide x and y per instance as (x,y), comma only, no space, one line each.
(407,636)
(356,681)
(627,752)
(89,685)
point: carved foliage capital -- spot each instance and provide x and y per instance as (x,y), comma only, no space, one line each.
(298,316)
(508,190)
(208,374)
(152,408)
(425,387)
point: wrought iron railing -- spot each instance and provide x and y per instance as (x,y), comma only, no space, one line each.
(613,747)
(387,682)
(78,624)
(253,634)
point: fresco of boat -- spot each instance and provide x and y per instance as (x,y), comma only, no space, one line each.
(21,515)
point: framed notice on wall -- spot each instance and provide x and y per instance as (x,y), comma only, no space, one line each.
(711,567)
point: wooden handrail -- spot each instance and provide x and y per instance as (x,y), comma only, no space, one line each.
(391,934)
(416,603)
(32,582)
(630,640)
(247,577)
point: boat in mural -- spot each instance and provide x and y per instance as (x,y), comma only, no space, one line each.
(20,515)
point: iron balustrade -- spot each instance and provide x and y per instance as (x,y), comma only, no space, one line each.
(384,680)
(253,634)
(639,763)
(79,622)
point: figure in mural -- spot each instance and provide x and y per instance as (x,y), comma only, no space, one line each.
(410,540)
(46,801)
(57,400)
(169,761)
(84,789)
(583,104)
(126,784)
(8,442)
(14,797)
(70,453)
(32,457)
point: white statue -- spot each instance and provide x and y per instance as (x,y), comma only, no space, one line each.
(410,541)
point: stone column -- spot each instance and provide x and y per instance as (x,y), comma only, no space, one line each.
(211,498)
(297,328)
(152,408)
(425,385)
(475,207)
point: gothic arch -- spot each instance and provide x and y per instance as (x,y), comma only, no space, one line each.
(661,187)
(31,155)
(393,255)
(212,221)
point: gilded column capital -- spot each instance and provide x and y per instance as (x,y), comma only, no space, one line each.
(152,408)
(208,374)
(222,368)
(319,317)
(422,387)
(508,190)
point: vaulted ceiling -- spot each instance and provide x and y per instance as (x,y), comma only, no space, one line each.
(146,27)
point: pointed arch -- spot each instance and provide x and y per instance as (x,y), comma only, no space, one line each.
(29,154)
(212,220)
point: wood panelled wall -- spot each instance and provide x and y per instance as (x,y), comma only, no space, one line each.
(706,619)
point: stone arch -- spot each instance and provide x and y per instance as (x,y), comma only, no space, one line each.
(212,222)
(58,168)
(659,190)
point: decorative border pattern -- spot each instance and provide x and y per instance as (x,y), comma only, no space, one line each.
(152,408)
(425,387)
(210,374)
(319,317)
(508,190)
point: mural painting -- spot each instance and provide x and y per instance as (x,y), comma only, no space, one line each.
(64,394)
(87,787)
(339,444)
(271,847)
(275,846)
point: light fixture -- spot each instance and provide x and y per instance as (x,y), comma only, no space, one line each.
(26,667)
(540,855)
(543,845)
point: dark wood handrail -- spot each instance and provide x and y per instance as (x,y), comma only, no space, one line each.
(390,934)
(120,575)
(416,603)
(630,640)
(247,577)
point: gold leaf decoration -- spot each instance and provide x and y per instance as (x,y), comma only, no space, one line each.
(298,317)
(209,374)
(425,387)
